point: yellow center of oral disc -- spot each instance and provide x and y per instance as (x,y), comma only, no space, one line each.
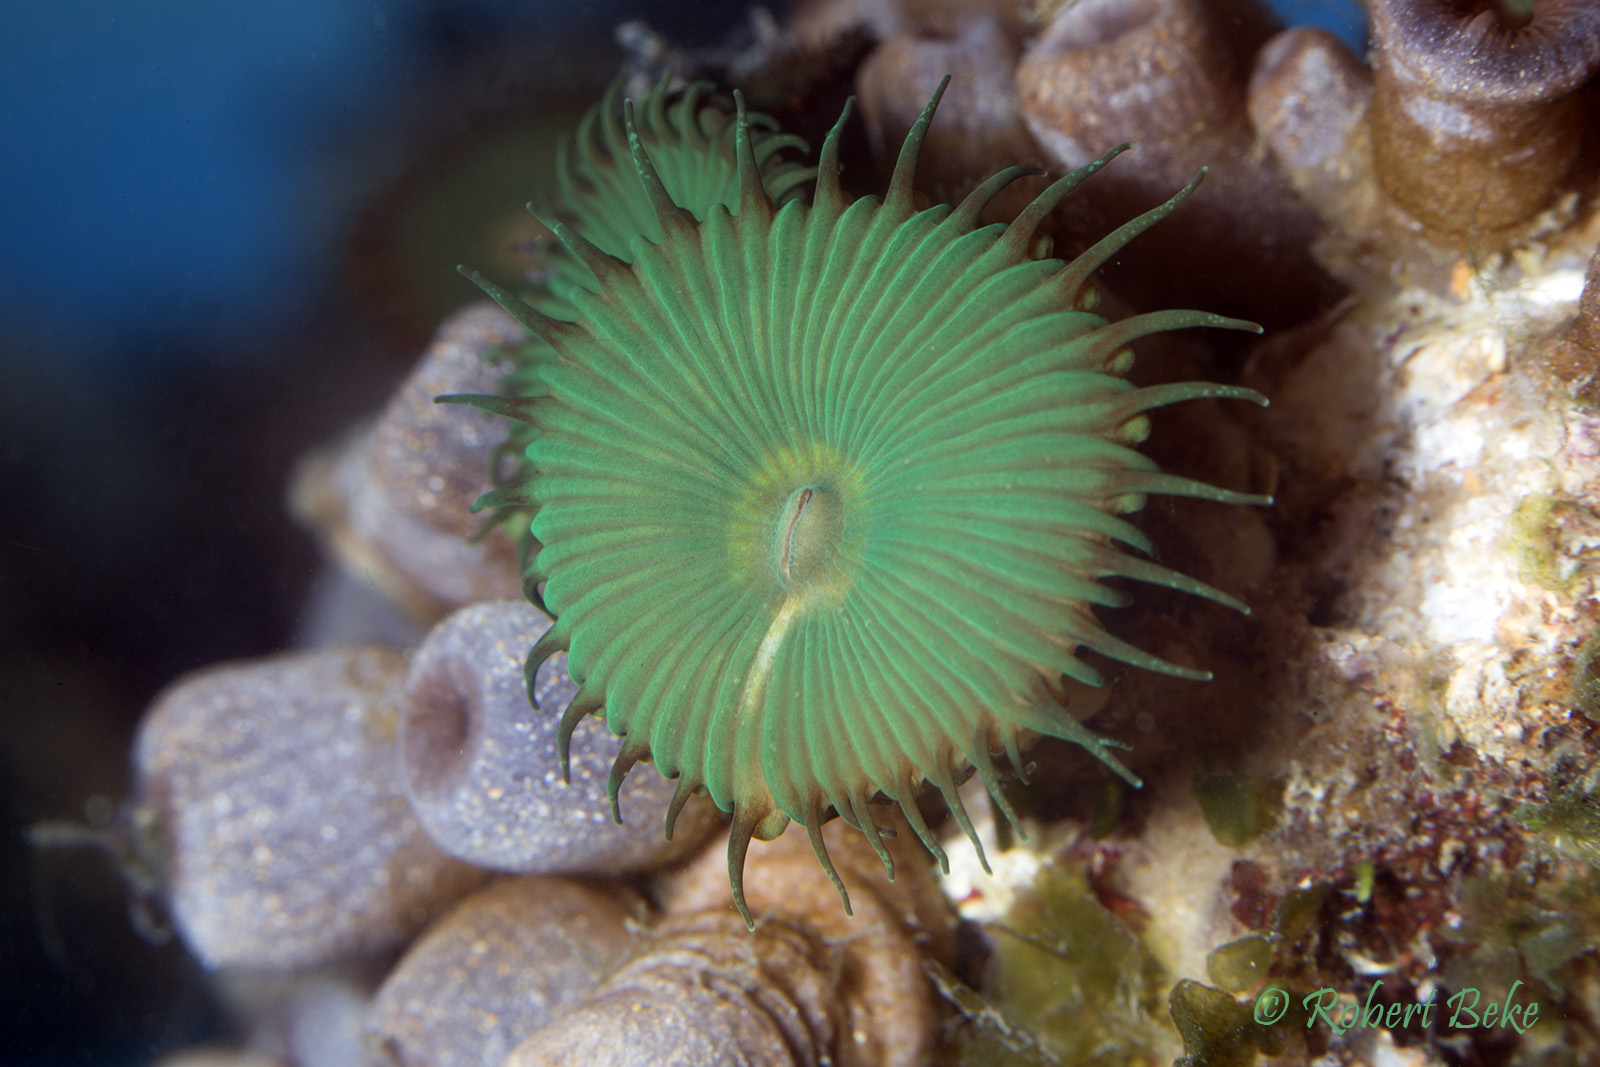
(806,562)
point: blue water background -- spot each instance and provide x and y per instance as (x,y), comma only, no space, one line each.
(161,156)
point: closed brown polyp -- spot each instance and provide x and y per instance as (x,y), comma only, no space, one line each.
(1167,77)
(1475,123)
(1152,72)
(1308,92)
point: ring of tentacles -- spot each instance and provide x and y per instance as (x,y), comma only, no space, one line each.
(823,493)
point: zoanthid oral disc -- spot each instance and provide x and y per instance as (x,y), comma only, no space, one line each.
(825,492)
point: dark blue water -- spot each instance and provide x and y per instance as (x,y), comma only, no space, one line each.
(175,161)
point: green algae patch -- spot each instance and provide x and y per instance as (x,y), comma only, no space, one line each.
(1109,807)
(1569,820)
(998,1036)
(1217,1030)
(1076,977)
(1237,808)
(1519,926)
(1532,537)
(1366,879)
(1240,965)
(1244,964)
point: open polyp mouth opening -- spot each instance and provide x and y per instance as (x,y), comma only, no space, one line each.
(437,736)
(1514,14)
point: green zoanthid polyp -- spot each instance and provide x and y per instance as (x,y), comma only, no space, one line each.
(822,493)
